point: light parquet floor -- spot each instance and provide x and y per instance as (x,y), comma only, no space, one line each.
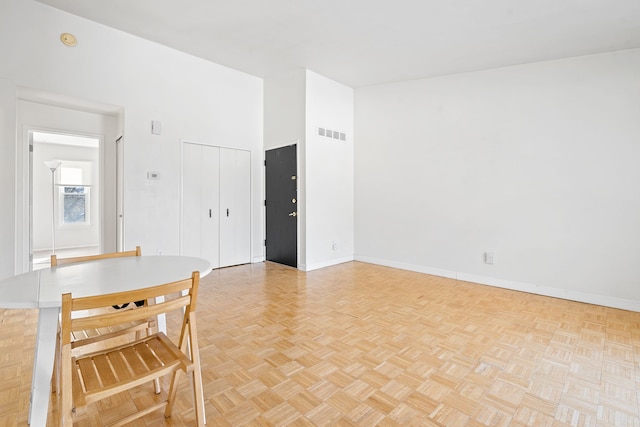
(366,345)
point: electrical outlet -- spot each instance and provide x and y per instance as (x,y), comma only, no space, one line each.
(334,246)
(489,258)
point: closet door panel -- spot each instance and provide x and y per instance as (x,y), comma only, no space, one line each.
(243,207)
(235,207)
(227,208)
(211,205)
(191,243)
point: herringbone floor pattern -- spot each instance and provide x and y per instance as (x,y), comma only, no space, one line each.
(359,344)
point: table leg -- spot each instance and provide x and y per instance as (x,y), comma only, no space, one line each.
(43,366)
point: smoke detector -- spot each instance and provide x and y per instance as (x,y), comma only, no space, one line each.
(68,39)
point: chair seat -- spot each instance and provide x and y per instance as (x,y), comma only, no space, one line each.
(102,374)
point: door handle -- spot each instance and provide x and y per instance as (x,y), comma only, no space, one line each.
(209,213)
(293,214)
(227,211)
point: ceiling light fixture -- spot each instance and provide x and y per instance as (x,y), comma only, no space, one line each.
(68,39)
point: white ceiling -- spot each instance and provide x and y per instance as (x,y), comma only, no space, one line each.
(365,42)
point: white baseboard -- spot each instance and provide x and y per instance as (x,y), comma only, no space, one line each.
(257,259)
(319,265)
(589,298)
(410,267)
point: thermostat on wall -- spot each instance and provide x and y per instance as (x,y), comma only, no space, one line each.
(156,127)
(153,175)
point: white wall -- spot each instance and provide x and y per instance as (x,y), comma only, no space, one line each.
(329,173)
(537,163)
(66,236)
(194,99)
(284,108)
(7,177)
(284,124)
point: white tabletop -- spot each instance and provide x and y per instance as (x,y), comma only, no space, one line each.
(20,291)
(43,288)
(115,275)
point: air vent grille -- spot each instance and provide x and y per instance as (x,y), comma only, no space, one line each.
(332,134)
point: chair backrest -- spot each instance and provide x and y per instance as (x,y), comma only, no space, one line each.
(55,261)
(90,318)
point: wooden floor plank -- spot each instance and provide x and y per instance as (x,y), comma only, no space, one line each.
(360,344)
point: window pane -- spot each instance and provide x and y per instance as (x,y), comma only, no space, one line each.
(73,190)
(74,209)
(74,205)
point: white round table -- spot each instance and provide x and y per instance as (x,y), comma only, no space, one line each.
(43,289)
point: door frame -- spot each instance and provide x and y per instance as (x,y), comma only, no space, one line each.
(27,230)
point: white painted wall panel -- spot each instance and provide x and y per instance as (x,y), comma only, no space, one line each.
(8,218)
(329,173)
(537,163)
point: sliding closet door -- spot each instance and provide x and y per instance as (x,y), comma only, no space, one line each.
(235,207)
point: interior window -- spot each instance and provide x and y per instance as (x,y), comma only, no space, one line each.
(74,197)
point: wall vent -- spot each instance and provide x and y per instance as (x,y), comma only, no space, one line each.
(332,134)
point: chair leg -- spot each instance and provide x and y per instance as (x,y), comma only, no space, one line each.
(66,410)
(171,397)
(198,397)
(194,353)
(55,378)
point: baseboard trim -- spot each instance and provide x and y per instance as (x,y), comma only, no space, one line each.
(316,266)
(585,297)
(411,267)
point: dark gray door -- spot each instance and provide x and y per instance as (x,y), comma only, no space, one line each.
(281,205)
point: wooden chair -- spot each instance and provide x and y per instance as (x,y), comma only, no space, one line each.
(91,340)
(55,261)
(88,378)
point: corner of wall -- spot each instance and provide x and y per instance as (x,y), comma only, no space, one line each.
(9,251)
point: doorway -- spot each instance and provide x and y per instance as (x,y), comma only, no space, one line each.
(281,188)
(65,216)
